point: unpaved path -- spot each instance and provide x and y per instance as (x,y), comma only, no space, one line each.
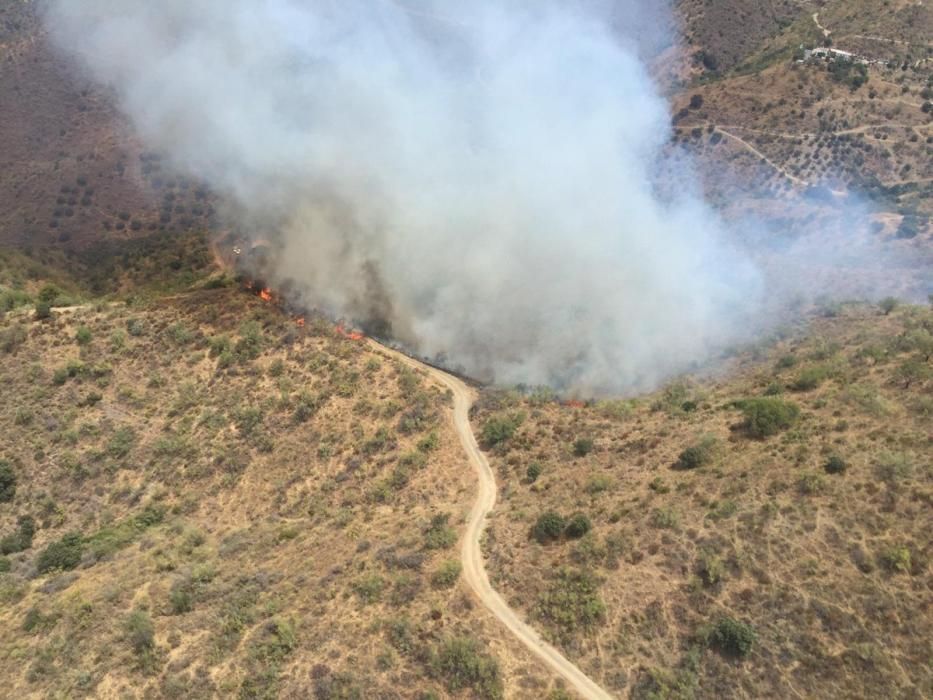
(474,571)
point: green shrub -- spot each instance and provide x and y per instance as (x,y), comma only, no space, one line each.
(710,569)
(897,560)
(500,428)
(135,327)
(369,588)
(809,379)
(21,540)
(121,443)
(533,471)
(768,416)
(732,637)
(447,575)
(43,310)
(548,527)
(582,446)
(577,526)
(598,483)
(460,664)
(64,554)
(835,465)
(697,455)
(83,335)
(5,564)
(251,342)
(438,534)
(140,632)
(7,482)
(787,361)
(571,602)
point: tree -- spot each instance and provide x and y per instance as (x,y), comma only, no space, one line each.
(733,637)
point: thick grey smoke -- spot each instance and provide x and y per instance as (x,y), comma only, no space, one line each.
(480,178)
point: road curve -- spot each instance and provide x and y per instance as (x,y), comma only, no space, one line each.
(474,571)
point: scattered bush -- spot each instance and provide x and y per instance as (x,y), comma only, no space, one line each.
(369,588)
(577,526)
(768,416)
(582,446)
(732,637)
(809,379)
(7,482)
(438,534)
(835,465)
(21,540)
(571,602)
(140,632)
(64,554)
(710,569)
(533,472)
(897,560)
(548,527)
(43,311)
(447,575)
(500,428)
(888,304)
(460,663)
(83,336)
(598,483)
(697,455)
(121,443)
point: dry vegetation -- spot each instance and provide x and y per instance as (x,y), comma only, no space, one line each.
(766,534)
(199,498)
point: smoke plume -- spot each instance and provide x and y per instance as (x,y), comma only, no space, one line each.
(480,177)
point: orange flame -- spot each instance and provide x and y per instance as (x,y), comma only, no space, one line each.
(265,294)
(300,322)
(351,335)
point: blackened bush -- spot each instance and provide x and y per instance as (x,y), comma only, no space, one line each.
(549,527)
(64,554)
(732,637)
(577,526)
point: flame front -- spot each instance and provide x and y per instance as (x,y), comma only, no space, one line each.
(265,294)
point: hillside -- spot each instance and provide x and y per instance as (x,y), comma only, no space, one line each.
(790,495)
(210,499)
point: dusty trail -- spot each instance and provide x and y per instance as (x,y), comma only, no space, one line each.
(474,572)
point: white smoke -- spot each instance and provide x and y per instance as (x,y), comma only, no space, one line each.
(479,177)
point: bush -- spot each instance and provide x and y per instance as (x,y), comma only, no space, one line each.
(571,602)
(121,443)
(7,482)
(83,335)
(43,310)
(888,304)
(582,447)
(438,534)
(447,575)
(897,560)
(835,465)
(577,526)
(459,662)
(21,540)
(548,527)
(809,379)
(369,588)
(697,455)
(732,637)
(533,471)
(140,632)
(5,565)
(500,428)
(768,416)
(64,554)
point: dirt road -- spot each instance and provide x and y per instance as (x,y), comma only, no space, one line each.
(474,571)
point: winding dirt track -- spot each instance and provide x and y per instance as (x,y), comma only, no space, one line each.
(474,572)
